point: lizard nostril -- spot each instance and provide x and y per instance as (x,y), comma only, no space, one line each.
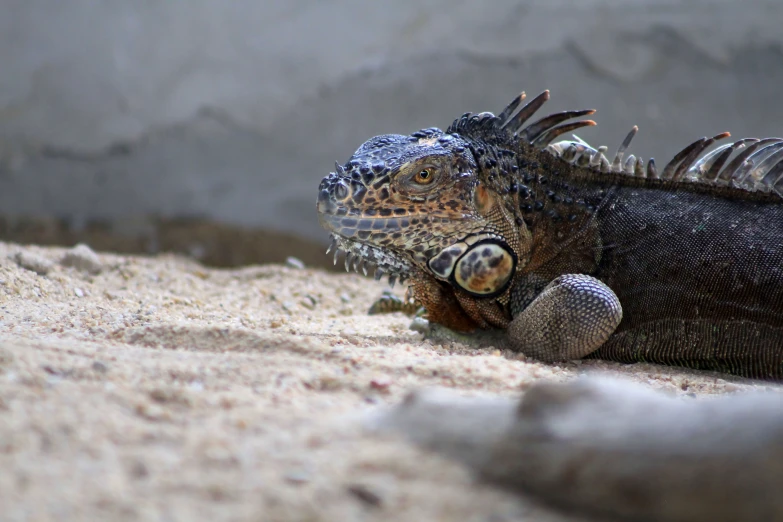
(341,191)
(325,204)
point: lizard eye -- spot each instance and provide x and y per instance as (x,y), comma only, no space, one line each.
(424,177)
(416,180)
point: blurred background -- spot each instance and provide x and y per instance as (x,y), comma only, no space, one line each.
(204,127)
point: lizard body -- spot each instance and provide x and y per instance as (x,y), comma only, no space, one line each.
(495,226)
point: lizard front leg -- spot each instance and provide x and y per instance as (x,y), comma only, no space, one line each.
(572,317)
(441,306)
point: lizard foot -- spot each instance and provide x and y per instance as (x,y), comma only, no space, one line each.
(388,303)
(572,317)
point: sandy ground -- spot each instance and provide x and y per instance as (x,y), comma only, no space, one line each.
(154,388)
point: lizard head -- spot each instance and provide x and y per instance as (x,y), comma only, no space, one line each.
(440,204)
(419,204)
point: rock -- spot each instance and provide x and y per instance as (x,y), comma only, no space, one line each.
(297,476)
(34,262)
(381,383)
(610,448)
(82,258)
(100,366)
(309,302)
(368,81)
(292,262)
(462,428)
(365,495)
(614,448)
(420,324)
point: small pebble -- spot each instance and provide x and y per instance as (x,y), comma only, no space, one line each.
(33,262)
(150,411)
(78,292)
(297,476)
(345,298)
(364,494)
(421,325)
(82,258)
(329,382)
(293,262)
(139,470)
(381,384)
(100,367)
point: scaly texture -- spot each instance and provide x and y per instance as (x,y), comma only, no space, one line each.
(490,221)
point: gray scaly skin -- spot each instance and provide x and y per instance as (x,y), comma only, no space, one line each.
(495,226)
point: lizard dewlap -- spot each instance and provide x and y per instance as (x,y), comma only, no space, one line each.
(496,224)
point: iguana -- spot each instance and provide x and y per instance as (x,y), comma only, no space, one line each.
(496,226)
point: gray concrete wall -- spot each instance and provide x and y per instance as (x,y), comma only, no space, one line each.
(233,111)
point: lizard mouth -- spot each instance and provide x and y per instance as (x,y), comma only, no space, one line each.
(366,257)
(366,240)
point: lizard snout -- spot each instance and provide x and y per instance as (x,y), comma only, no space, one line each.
(325,204)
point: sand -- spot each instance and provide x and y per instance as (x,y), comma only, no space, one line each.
(157,389)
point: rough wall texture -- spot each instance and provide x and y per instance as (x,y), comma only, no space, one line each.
(233,111)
